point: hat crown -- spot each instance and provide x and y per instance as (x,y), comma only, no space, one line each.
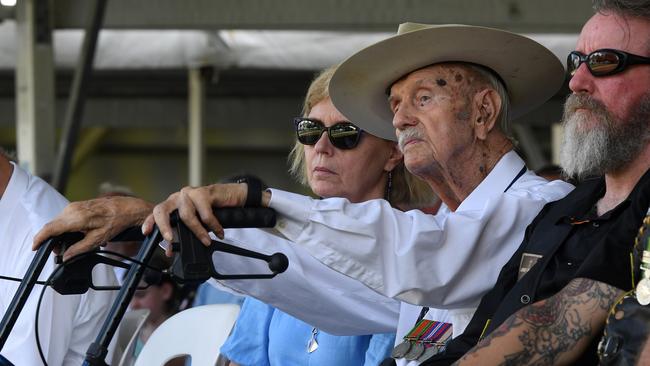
(409,27)
(412,27)
(530,72)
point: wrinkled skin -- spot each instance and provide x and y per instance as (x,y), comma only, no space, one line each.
(100,220)
(444,117)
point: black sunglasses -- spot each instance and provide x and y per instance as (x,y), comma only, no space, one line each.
(603,62)
(343,135)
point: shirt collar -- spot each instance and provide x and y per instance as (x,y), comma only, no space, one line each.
(15,189)
(586,194)
(589,192)
(503,173)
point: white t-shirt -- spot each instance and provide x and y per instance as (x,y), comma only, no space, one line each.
(67,324)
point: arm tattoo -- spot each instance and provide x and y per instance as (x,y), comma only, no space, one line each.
(543,332)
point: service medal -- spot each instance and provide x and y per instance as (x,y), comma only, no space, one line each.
(416,351)
(430,352)
(643,292)
(401,349)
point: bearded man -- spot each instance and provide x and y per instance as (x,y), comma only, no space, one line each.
(551,299)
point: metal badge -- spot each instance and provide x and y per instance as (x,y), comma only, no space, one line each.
(401,349)
(416,351)
(528,260)
(430,352)
(643,292)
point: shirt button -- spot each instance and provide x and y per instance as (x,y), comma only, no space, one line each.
(525,299)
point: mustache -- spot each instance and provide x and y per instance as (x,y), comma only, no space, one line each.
(407,135)
(583,101)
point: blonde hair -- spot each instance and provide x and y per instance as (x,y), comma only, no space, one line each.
(407,190)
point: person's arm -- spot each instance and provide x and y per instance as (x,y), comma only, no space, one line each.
(447,260)
(99,219)
(644,358)
(555,331)
(307,290)
(386,249)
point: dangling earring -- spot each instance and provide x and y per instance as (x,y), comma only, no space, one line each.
(389,185)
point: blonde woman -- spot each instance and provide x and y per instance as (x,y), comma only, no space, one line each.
(334,158)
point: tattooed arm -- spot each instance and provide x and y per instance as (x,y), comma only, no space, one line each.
(644,359)
(549,332)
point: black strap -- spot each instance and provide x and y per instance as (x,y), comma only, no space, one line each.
(254,192)
(521,172)
(423,312)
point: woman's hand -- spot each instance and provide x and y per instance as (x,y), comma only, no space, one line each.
(195,207)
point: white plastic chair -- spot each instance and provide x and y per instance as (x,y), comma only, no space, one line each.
(198,332)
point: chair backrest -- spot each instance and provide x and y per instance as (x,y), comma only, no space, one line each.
(198,332)
(126,336)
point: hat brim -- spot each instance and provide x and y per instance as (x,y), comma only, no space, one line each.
(532,74)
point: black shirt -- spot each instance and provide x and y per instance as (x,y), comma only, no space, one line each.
(569,241)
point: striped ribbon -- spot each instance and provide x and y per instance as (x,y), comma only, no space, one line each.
(429,331)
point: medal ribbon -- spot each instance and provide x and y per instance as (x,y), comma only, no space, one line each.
(439,333)
(642,241)
(645,247)
(419,329)
(429,331)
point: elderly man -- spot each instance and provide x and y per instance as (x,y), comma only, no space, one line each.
(67,324)
(451,92)
(552,312)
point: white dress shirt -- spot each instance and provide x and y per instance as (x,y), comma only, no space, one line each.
(324,298)
(67,324)
(446,261)
(307,290)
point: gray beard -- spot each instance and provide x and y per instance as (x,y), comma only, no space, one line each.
(608,144)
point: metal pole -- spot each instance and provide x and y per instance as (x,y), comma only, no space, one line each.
(196,117)
(74,112)
(35,99)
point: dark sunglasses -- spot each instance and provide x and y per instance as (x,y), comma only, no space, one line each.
(343,135)
(603,62)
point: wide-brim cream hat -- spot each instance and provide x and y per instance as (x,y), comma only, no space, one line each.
(531,73)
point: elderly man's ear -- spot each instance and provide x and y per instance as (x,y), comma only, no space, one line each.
(487,104)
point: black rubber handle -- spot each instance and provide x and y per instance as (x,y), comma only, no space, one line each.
(241,217)
(229,217)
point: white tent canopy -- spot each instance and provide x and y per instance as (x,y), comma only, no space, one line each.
(166,49)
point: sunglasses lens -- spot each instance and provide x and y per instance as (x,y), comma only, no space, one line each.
(344,135)
(308,132)
(603,62)
(573,63)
